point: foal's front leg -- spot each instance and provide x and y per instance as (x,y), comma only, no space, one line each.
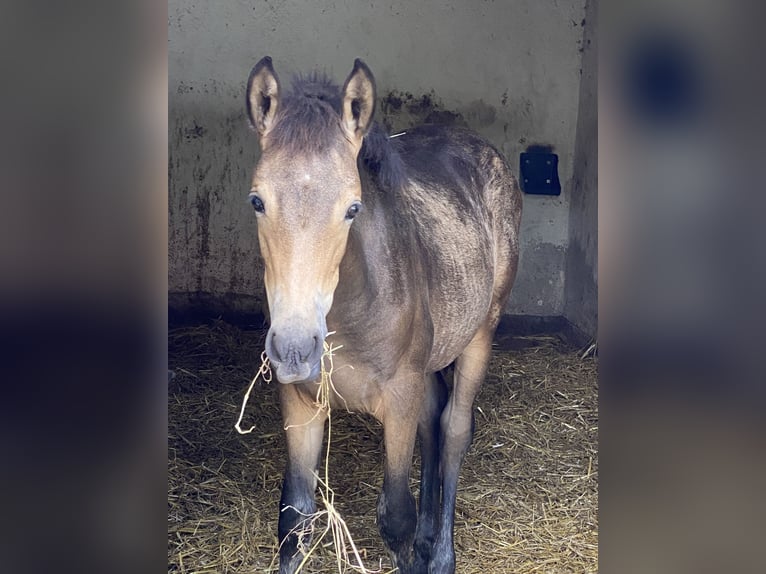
(304,428)
(397,518)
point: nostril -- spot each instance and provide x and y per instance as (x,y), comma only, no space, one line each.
(313,351)
(316,349)
(272,348)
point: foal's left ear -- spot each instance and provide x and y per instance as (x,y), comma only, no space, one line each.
(358,103)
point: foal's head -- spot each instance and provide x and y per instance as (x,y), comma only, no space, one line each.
(306,193)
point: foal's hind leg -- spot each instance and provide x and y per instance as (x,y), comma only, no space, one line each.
(456,434)
(430,479)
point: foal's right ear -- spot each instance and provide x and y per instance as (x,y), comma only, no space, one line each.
(262,96)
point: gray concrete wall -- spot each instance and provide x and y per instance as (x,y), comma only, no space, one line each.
(581,290)
(510,70)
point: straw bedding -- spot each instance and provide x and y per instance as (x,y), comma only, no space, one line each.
(527,498)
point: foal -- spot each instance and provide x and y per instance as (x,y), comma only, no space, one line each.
(406,249)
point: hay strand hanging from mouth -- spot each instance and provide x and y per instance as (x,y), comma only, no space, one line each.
(265,373)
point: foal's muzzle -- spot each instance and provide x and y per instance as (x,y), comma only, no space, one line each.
(296,356)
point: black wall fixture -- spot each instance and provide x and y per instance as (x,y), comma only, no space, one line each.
(539,171)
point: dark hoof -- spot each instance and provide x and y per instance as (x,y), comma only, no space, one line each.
(288,564)
(442,563)
(422,556)
(420,565)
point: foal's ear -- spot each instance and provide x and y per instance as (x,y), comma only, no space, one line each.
(262,96)
(358,102)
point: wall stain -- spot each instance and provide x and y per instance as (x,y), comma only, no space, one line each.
(202,205)
(479,113)
(444,117)
(392,102)
(234,278)
(227,173)
(201,172)
(194,132)
(184,88)
(403,110)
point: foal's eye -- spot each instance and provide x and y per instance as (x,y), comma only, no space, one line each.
(353,211)
(257,204)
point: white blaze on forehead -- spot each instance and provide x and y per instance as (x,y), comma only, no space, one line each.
(306,176)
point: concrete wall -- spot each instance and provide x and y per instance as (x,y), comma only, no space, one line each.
(510,70)
(581,305)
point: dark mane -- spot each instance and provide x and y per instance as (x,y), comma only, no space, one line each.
(309,122)
(309,115)
(382,160)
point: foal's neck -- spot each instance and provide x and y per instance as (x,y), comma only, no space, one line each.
(376,254)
